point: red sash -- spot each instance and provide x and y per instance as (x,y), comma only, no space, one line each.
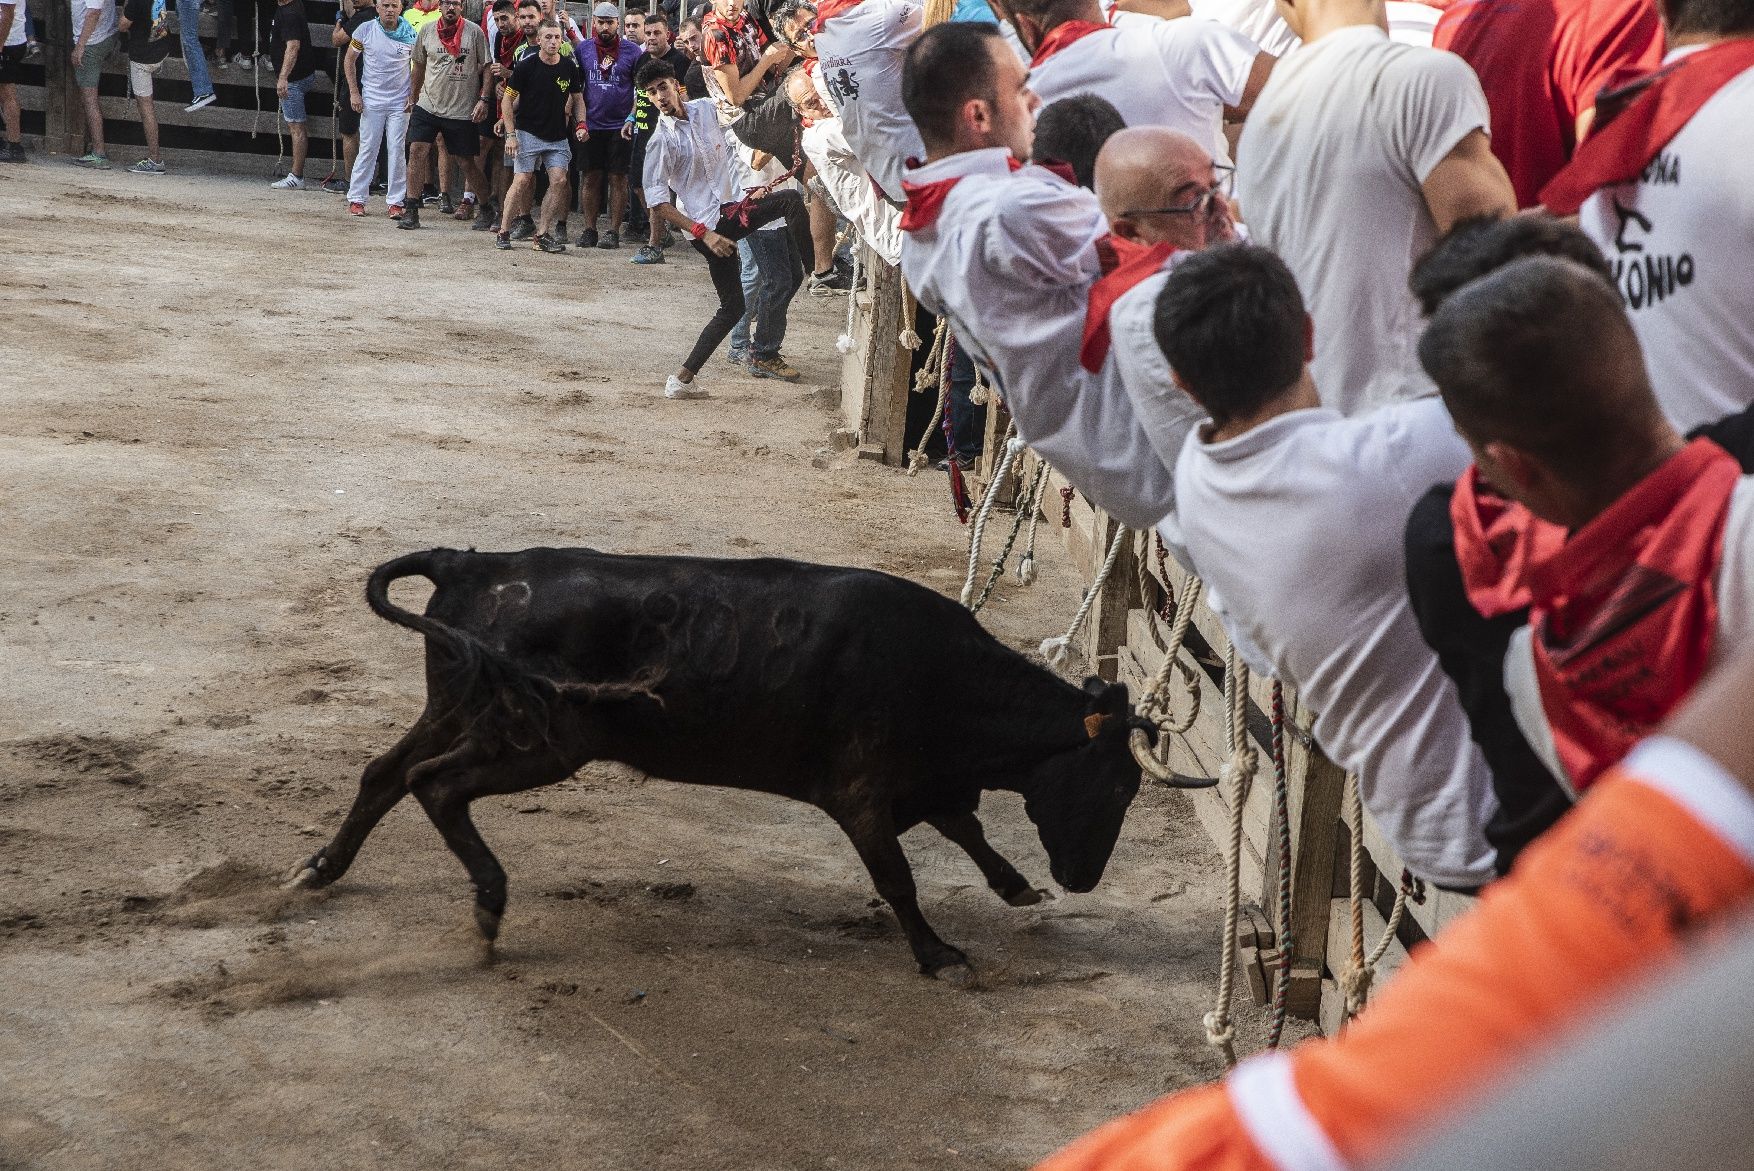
(1060,36)
(1496,542)
(1133,263)
(1624,613)
(926,200)
(1618,151)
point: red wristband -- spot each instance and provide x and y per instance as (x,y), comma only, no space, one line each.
(697,231)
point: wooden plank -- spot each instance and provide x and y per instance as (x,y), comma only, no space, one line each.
(1339,958)
(878,406)
(1106,628)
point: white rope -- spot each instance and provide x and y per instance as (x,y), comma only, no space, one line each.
(1026,563)
(1033,492)
(1220,1033)
(844,343)
(937,366)
(1360,973)
(909,339)
(1058,650)
(981,395)
(1012,448)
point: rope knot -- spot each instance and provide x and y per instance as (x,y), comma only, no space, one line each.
(1219,1033)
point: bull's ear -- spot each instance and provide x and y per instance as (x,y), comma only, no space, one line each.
(1109,699)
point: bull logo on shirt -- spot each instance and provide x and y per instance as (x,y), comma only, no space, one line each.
(843,86)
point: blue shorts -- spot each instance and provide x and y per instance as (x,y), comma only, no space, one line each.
(292,106)
(537,154)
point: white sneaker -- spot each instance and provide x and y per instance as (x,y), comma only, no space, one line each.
(674,387)
(290,183)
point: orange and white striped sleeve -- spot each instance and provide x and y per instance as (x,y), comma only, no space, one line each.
(1659,847)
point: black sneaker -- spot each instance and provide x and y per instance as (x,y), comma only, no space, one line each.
(410,218)
(12,152)
(587,238)
(523,228)
(485,220)
(833,281)
(547,243)
(610,240)
(447,205)
(503,241)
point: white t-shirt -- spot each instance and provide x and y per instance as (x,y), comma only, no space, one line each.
(1258,20)
(1735,621)
(689,163)
(15,34)
(1329,172)
(1010,261)
(384,64)
(1296,528)
(107,24)
(849,186)
(1165,411)
(1175,73)
(1681,241)
(859,56)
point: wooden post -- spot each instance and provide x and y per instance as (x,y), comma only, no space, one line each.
(1106,630)
(876,376)
(63,114)
(1317,786)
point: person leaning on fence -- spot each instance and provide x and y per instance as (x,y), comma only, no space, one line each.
(690,183)
(380,89)
(95,41)
(12,52)
(295,63)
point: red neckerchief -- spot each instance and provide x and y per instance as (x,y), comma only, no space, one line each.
(1132,263)
(1497,540)
(1618,151)
(1062,35)
(926,200)
(831,9)
(1624,614)
(452,44)
(506,47)
(613,52)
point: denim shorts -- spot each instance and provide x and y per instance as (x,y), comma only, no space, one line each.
(535,154)
(292,106)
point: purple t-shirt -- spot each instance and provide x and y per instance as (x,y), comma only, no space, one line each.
(608,82)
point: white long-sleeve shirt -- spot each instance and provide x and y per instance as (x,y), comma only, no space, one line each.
(849,185)
(859,58)
(689,164)
(1296,527)
(1010,260)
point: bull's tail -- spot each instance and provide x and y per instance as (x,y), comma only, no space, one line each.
(503,704)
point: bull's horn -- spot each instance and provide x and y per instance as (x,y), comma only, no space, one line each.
(1157,770)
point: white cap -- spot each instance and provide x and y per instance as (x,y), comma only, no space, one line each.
(607,11)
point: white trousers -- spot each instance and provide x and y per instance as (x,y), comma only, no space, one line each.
(375,128)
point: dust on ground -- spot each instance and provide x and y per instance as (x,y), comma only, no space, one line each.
(223,406)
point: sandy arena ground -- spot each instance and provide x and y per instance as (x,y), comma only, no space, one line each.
(223,406)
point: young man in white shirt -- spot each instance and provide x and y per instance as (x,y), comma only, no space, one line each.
(1359,153)
(1188,74)
(12,49)
(1666,195)
(860,45)
(1009,255)
(1293,516)
(691,184)
(380,88)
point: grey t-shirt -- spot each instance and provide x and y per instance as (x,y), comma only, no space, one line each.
(452,84)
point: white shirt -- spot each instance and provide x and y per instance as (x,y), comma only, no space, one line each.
(107,24)
(15,34)
(1296,528)
(1010,262)
(384,64)
(1175,73)
(1258,20)
(1165,411)
(1681,241)
(1735,621)
(689,163)
(849,186)
(859,56)
(1329,171)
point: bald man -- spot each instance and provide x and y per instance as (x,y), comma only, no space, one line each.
(1164,198)
(849,185)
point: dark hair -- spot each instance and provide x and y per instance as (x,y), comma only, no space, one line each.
(1540,354)
(1072,131)
(948,65)
(1232,324)
(788,9)
(1708,17)
(1481,244)
(657,18)
(503,5)
(1048,13)
(652,72)
(536,4)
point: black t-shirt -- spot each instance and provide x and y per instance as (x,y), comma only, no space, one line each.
(543,92)
(645,115)
(149,41)
(290,25)
(694,82)
(350,25)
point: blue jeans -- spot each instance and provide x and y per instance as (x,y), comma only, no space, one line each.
(777,273)
(189,28)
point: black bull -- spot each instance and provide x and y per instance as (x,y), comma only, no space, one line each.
(872,698)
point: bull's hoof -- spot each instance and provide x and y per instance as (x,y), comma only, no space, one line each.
(959,975)
(1029,896)
(308,873)
(488,922)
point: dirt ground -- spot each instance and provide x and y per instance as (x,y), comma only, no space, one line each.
(223,406)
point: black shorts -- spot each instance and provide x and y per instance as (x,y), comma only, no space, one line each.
(462,137)
(12,60)
(605,150)
(346,117)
